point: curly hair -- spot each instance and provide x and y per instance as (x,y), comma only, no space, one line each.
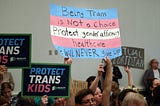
(81,94)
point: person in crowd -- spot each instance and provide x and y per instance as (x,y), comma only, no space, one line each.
(152,84)
(6,91)
(7,76)
(98,97)
(114,93)
(156,97)
(116,74)
(43,101)
(90,79)
(130,87)
(94,86)
(134,99)
(85,97)
(60,102)
(152,72)
(122,95)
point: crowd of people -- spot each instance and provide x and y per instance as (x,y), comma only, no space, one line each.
(103,89)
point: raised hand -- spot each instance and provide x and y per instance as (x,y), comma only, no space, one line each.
(127,69)
(68,60)
(108,62)
(100,69)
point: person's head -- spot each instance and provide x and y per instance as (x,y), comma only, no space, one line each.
(114,92)
(154,64)
(59,102)
(153,83)
(156,82)
(98,96)
(89,80)
(6,90)
(3,68)
(134,99)
(85,97)
(5,85)
(122,95)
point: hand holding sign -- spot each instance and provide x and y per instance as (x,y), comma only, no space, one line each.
(67,60)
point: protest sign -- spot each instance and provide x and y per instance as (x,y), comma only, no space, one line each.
(131,56)
(15,50)
(46,79)
(85,33)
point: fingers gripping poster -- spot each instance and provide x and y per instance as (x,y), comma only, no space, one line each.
(85,33)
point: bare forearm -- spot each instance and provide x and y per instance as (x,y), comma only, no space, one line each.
(108,78)
(94,84)
(107,87)
(71,100)
(130,80)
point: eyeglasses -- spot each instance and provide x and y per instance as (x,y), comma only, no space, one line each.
(86,102)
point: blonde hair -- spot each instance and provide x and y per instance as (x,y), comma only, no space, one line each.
(134,99)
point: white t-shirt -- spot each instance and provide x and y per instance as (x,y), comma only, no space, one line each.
(156,74)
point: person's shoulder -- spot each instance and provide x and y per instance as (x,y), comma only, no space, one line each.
(149,70)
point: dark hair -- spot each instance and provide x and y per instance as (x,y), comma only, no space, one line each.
(156,93)
(150,82)
(123,93)
(81,94)
(91,79)
(5,85)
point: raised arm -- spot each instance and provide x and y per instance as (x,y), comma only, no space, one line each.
(107,85)
(94,84)
(70,101)
(130,79)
